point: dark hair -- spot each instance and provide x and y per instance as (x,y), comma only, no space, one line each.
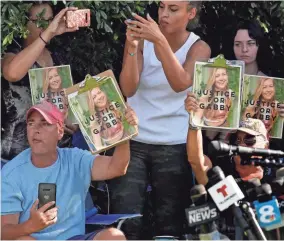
(194,23)
(35,4)
(254,30)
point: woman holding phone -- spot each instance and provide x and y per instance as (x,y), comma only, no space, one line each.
(15,82)
(157,71)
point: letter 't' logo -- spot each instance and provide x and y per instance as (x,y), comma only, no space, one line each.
(223,190)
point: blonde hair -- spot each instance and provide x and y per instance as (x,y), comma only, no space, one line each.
(94,110)
(254,110)
(45,86)
(45,89)
(209,113)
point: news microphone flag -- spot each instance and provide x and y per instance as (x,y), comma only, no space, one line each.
(268,212)
(225,193)
(201,214)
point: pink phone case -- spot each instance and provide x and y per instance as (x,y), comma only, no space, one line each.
(80,18)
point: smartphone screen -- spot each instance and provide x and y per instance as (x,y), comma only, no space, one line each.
(46,194)
(80,18)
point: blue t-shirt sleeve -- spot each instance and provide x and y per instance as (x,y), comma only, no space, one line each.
(84,161)
(12,198)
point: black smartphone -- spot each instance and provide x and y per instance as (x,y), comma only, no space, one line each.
(46,194)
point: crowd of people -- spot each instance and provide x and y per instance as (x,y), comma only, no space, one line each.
(169,153)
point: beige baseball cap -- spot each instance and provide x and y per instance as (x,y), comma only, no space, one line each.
(253,127)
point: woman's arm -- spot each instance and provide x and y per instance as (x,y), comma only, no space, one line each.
(131,68)
(180,77)
(15,67)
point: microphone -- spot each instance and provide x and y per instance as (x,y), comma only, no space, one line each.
(226,193)
(218,147)
(202,214)
(280,172)
(267,209)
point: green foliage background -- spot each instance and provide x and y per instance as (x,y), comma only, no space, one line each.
(100,47)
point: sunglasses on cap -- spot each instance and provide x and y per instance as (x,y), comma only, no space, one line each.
(248,140)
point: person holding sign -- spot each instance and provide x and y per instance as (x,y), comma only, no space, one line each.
(68,170)
(249,46)
(252,133)
(158,68)
(216,101)
(16,95)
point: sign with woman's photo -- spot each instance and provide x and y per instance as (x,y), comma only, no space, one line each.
(49,84)
(99,108)
(263,98)
(218,89)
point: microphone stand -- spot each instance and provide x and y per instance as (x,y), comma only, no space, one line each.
(243,223)
(247,210)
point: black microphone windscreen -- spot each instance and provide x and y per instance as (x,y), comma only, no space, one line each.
(255,182)
(278,181)
(280,172)
(198,194)
(215,174)
(214,147)
(266,189)
(197,190)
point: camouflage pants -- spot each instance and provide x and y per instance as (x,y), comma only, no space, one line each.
(167,170)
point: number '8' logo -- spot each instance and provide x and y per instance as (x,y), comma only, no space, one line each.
(267,214)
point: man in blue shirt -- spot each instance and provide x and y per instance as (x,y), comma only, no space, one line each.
(70,169)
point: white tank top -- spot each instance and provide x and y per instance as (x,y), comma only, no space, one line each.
(162,116)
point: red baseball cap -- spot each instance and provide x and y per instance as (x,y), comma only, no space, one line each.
(49,112)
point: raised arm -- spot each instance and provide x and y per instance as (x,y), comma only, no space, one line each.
(132,65)
(199,162)
(15,67)
(108,167)
(180,77)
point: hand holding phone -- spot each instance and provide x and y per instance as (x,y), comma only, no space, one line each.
(42,217)
(78,18)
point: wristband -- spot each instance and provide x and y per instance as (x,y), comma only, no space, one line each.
(131,54)
(42,39)
(190,126)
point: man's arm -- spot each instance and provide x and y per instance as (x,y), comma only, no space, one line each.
(199,162)
(39,219)
(181,77)
(11,229)
(108,167)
